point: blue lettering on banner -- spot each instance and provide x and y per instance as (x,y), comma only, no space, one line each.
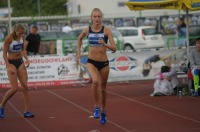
(152,5)
(196,5)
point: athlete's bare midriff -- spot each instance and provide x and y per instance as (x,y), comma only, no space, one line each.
(13,56)
(97,53)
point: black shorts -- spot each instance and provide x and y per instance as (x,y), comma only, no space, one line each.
(98,64)
(17,63)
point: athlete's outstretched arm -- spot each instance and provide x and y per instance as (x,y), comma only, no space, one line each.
(80,38)
(7,42)
(26,45)
(5,50)
(112,45)
(24,54)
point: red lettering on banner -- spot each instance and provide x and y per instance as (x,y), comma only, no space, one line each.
(51,60)
(48,83)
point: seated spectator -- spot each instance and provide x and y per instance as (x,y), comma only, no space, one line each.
(195,65)
(166,82)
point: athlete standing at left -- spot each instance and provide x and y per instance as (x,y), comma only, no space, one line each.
(13,53)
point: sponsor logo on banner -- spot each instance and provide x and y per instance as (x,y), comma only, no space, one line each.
(63,71)
(123,63)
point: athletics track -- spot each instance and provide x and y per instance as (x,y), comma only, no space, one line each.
(129,109)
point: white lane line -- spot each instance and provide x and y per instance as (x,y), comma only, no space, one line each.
(94,131)
(29,122)
(153,107)
(78,106)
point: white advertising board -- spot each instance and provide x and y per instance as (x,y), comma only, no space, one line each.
(124,66)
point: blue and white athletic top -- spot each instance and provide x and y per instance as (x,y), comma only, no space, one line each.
(93,37)
(16,46)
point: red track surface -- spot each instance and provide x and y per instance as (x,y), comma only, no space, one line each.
(129,109)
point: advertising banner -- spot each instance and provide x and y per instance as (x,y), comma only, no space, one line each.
(124,66)
(47,70)
(144,65)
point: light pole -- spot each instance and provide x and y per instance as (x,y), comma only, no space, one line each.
(9,18)
(38,3)
(66,5)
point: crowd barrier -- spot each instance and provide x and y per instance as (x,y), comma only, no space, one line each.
(55,70)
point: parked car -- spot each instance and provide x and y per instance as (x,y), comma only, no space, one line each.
(72,36)
(143,37)
(69,40)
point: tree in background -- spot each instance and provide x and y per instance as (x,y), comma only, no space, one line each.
(30,7)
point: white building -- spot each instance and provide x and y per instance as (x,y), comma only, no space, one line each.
(112,9)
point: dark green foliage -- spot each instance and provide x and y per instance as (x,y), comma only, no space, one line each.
(30,7)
